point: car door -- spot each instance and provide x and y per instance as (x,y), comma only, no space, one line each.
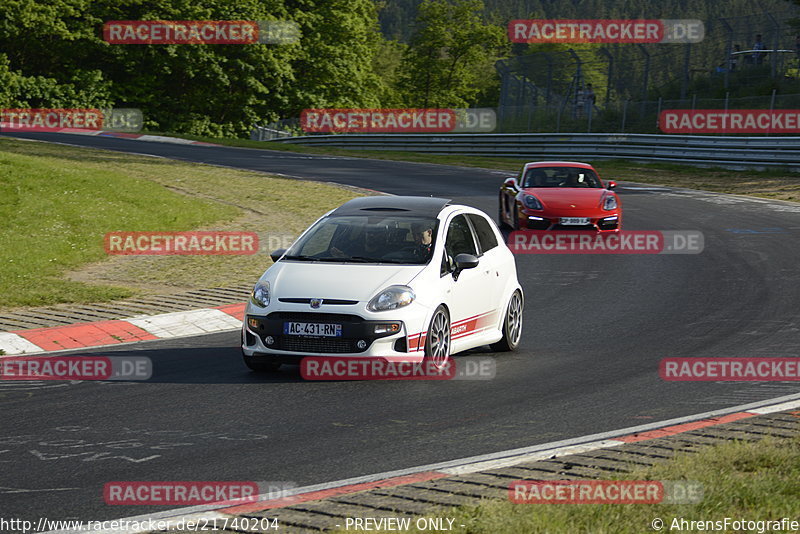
(466,294)
(491,260)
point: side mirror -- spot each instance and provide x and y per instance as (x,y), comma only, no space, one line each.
(611,184)
(276,254)
(512,183)
(464,261)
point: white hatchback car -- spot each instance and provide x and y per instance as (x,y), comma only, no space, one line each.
(399,278)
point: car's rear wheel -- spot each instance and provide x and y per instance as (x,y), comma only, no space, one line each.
(512,325)
(437,341)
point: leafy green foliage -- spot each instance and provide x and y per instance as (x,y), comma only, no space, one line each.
(55,57)
(443,65)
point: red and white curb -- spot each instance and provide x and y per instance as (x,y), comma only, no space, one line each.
(131,330)
(462,466)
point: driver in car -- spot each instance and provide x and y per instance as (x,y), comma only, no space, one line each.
(423,238)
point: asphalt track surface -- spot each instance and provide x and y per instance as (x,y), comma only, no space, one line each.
(595,330)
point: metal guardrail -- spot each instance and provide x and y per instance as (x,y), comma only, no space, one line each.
(730,152)
(262,133)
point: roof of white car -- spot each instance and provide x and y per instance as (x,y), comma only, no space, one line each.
(425,206)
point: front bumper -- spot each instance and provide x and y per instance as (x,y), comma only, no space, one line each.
(389,336)
(606,222)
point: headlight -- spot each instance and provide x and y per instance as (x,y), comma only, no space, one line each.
(260,296)
(392,298)
(610,203)
(531,202)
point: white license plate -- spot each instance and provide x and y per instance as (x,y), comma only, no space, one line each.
(575,221)
(312,329)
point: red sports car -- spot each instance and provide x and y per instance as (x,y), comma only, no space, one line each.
(559,195)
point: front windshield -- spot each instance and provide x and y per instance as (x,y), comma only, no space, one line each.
(368,239)
(560,177)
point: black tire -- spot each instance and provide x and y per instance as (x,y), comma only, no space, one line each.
(261,366)
(501,222)
(515,217)
(437,353)
(512,325)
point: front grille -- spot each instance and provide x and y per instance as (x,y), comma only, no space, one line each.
(311,317)
(333,302)
(322,345)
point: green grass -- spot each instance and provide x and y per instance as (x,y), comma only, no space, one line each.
(779,184)
(754,481)
(57,202)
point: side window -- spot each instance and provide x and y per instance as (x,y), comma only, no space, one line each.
(459,241)
(486,236)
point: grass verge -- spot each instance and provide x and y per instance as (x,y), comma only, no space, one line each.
(777,184)
(59,201)
(750,481)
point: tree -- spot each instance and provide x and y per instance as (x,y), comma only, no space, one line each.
(449,51)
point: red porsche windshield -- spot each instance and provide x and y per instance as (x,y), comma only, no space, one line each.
(560,177)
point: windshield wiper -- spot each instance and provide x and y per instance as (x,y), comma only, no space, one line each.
(300,258)
(361,259)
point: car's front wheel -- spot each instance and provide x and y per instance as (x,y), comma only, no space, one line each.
(437,341)
(501,219)
(512,325)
